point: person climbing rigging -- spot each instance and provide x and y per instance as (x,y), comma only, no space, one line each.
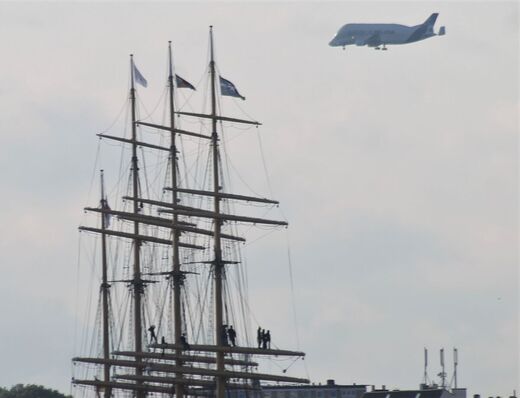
(184,342)
(232,335)
(153,337)
(224,335)
(259,336)
(163,343)
(268,339)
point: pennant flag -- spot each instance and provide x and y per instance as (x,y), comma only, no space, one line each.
(229,89)
(139,78)
(181,83)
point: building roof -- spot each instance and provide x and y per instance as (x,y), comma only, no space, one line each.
(434,393)
(314,386)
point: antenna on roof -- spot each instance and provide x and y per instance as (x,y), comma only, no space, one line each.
(425,366)
(455,364)
(442,374)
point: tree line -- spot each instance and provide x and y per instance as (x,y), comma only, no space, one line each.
(30,391)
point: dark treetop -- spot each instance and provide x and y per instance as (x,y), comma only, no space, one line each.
(30,391)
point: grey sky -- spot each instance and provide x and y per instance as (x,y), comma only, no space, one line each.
(397,171)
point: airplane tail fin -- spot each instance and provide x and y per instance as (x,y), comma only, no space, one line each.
(424,30)
(428,24)
(431,20)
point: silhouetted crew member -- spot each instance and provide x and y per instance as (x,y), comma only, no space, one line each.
(268,339)
(163,343)
(224,335)
(264,339)
(259,336)
(153,337)
(232,335)
(184,342)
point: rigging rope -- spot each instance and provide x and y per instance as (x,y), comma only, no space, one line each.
(94,171)
(141,103)
(291,279)
(289,258)
(76,299)
(264,163)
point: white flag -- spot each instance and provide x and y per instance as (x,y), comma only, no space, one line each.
(139,78)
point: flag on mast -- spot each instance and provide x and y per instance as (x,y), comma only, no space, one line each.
(227,88)
(181,83)
(139,78)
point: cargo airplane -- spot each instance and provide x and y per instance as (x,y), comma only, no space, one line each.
(379,35)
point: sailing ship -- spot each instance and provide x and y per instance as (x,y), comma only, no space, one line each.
(167,239)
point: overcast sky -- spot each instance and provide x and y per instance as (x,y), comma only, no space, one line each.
(397,170)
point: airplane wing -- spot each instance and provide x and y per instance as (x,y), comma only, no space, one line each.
(374,40)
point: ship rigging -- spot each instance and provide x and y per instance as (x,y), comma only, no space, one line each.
(193,229)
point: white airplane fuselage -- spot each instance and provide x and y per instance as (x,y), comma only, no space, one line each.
(374,35)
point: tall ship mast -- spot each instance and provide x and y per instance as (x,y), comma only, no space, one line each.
(173,333)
